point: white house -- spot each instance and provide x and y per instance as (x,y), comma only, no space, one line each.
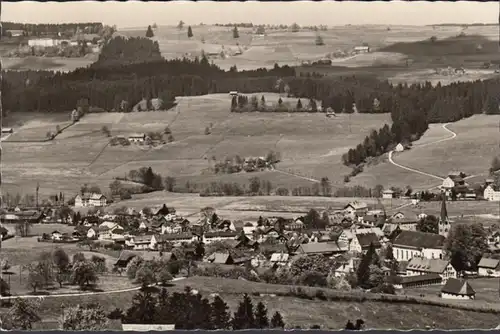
(361,49)
(490,194)
(362,241)
(142,242)
(457,289)
(279,259)
(489,267)
(448,183)
(399,148)
(43,42)
(422,266)
(110,231)
(137,137)
(56,235)
(414,243)
(356,208)
(88,199)
(388,194)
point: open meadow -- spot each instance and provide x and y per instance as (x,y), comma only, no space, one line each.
(437,153)
(81,153)
(330,314)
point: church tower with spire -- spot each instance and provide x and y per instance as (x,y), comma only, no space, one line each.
(444,224)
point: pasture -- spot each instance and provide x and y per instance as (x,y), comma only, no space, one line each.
(251,51)
(47,64)
(311,146)
(471,152)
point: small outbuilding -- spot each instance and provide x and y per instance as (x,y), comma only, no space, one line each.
(457,289)
(399,148)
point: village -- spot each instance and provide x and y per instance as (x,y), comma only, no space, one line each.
(415,249)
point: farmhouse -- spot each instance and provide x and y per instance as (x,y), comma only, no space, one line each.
(137,138)
(405,224)
(422,266)
(220,258)
(457,289)
(361,49)
(491,194)
(233,93)
(142,242)
(43,42)
(399,148)
(7,130)
(90,199)
(361,242)
(29,216)
(414,243)
(388,194)
(489,267)
(356,208)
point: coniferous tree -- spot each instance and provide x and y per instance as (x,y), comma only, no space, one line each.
(277,321)
(363,272)
(221,319)
(190,32)
(143,309)
(261,319)
(149,32)
(244,317)
(236,34)
(299,105)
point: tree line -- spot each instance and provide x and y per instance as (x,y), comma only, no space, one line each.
(39,29)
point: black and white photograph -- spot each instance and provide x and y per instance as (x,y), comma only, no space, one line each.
(249,165)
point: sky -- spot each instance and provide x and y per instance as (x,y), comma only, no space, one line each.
(140,14)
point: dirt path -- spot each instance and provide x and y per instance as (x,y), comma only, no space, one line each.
(296,175)
(81,293)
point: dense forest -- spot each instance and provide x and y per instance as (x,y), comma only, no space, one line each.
(121,76)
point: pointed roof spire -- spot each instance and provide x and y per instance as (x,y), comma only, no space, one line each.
(444,212)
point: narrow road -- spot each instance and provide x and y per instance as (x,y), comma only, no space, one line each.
(453,135)
(296,175)
(80,294)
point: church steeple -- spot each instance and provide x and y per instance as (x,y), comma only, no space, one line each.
(444,212)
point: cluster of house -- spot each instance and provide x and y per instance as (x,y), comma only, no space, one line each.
(455,183)
(92,40)
(248,164)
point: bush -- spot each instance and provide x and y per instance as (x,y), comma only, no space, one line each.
(320,294)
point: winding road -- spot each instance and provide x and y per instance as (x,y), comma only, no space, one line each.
(453,135)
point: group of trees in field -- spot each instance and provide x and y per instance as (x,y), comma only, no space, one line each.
(144,176)
(118,51)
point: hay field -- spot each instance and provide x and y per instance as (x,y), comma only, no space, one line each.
(47,64)
(476,144)
(246,208)
(310,145)
(286,47)
(471,151)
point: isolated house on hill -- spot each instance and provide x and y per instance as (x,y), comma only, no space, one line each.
(491,193)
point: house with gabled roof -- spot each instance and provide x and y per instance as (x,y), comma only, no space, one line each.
(361,242)
(213,236)
(489,267)
(422,266)
(408,244)
(457,289)
(219,258)
(279,259)
(356,208)
(90,199)
(175,239)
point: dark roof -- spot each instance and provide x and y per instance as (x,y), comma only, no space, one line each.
(458,287)
(365,239)
(419,278)
(489,263)
(221,234)
(418,239)
(173,236)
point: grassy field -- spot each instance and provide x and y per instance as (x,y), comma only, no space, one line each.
(285,47)
(330,315)
(47,64)
(81,154)
(471,152)
(245,208)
